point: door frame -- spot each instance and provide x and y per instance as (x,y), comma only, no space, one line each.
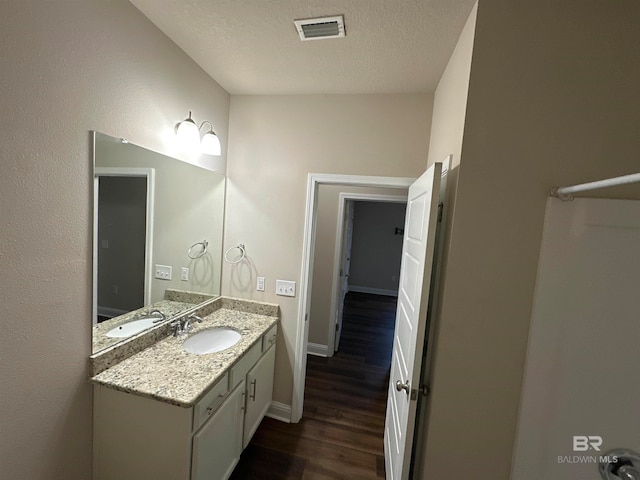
(336,290)
(314,180)
(149,174)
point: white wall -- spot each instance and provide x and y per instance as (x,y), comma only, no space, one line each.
(553,99)
(275,142)
(376,251)
(69,67)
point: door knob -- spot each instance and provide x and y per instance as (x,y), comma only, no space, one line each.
(403,386)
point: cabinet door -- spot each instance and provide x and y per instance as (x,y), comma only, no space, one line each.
(218,444)
(259,392)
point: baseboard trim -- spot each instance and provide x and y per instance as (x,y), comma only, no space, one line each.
(317,349)
(374,291)
(279,411)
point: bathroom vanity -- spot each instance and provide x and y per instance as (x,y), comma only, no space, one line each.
(164,413)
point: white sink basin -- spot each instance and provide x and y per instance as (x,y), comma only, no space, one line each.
(211,340)
(131,328)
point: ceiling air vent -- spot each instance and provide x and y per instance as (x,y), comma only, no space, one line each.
(320,28)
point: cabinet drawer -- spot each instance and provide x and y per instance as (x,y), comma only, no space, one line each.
(248,360)
(269,338)
(211,401)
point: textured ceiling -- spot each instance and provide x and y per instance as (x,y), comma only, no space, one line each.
(252,47)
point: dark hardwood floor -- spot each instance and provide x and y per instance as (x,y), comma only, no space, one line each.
(341,432)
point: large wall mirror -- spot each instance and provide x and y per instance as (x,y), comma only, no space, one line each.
(157,238)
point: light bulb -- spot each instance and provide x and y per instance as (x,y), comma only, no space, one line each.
(188,134)
(210,144)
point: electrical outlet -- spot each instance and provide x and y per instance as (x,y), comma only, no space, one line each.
(260,284)
(163,272)
(285,288)
(184,274)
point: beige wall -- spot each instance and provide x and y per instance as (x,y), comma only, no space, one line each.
(376,253)
(275,142)
(320,317)
(553,99)
(69,67)
(447,129)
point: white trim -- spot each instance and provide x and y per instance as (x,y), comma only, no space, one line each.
(110,312)
(374,291)
(94,273)
(344,197)
(304,302)
(279,411)
(150,175)
(419,434)
(317,349)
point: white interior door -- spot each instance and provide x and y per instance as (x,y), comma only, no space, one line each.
(411,319)
(344,268)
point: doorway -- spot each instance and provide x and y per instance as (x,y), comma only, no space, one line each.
(359,228)
(123,225)
(425,207)
(368,251)
(315,181)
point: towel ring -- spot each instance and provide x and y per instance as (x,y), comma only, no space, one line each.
(204,244)
(243,253)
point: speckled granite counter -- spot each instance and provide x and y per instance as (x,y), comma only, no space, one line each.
(167,373)
(100,340)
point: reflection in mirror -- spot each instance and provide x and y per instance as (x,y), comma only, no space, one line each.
(157,238)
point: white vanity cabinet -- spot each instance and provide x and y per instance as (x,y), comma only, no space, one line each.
(218,444)
(137,437)
(259,393)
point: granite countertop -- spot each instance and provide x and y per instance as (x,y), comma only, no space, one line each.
(99,338)
(167,373)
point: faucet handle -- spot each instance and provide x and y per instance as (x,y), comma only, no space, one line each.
(178,327)
(186,323)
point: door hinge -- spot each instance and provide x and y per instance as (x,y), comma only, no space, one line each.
(337,327)
(440,210)
(341,272)
(306,317)
(424,390)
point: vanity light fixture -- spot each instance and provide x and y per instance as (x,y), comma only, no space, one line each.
(188,134)
(210,143)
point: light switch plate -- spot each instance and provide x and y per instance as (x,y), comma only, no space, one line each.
(163,272)
(184,274)
(260,284)
(285,288)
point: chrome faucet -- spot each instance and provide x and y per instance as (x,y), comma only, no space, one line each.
(154,312)
(184,324)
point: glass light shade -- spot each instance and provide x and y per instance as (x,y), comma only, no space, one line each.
(210,144)
(188,134)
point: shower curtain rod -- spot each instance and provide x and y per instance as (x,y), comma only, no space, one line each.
(566,193)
